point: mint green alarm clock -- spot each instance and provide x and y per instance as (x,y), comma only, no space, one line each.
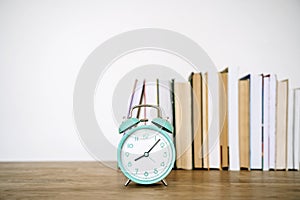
(146,153)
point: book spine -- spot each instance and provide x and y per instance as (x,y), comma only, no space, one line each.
(191,77)
(173,113)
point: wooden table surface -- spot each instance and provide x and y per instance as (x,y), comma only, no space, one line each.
(91,180)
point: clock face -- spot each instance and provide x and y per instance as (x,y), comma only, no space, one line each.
(146,155)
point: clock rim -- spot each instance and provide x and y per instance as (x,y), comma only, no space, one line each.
(165,174)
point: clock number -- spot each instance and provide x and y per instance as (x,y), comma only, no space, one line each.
(146,174)
(145,136)
(129,164)
(136,170)
(162,145)
(129,145)
(155,171)
(162,164)
(155,138)
(165,154)
(136,138)
(127,154)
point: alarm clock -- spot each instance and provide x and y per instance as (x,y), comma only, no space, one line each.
(146,153)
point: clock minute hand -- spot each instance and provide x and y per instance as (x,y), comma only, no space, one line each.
(153,146)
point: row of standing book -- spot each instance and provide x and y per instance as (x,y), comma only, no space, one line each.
(226,122)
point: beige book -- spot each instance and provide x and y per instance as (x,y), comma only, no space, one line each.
(223,114)
(244,122)
(205,146)
(183,125)
(196,83)
(281,125)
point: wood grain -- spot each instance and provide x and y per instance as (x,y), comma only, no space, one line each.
(91,180)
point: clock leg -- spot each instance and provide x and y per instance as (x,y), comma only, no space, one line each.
(127,182)
(164,182)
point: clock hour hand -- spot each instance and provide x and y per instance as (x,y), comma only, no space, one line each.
(146,154)
(139,157)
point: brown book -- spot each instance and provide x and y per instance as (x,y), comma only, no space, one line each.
(244,122)
(223,113)
(205,144)
(183,125)
(196,83)
(281,125)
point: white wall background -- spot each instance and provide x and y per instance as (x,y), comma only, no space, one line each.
(44,43)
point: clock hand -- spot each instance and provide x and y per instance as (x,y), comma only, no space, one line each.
(139,157)
(153,146)
(151,159)
(146,154)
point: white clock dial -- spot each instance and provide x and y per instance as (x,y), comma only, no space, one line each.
(146,155)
